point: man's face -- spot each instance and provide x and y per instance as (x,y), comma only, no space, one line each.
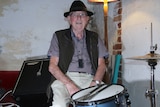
(78,20)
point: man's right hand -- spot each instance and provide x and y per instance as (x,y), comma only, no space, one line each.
(72,88)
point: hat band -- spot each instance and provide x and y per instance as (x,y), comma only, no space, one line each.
(78,9)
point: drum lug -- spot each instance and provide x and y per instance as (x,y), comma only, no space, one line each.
(117,100)
(127,99)
(72,103)
(94,104)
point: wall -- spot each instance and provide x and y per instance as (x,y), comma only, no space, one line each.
(26,28)
(137,17)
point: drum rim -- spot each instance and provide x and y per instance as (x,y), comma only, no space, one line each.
(80,103)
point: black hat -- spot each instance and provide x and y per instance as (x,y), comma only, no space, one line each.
(78,5)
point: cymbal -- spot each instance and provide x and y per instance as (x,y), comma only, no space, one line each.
(146,57)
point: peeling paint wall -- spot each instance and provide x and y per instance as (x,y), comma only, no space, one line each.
(6,3)
(26,28)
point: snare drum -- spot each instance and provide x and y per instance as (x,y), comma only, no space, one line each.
(104,96)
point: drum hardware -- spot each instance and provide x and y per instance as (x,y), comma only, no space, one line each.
(151,58)
(152,92)
(152,62)
(128,102)
(117,100)
(72,103)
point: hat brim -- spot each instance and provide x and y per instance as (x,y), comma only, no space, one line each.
(89,13)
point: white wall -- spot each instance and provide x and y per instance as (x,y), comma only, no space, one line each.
(26,28)
(136,36)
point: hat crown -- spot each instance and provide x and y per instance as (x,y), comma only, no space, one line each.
(78,6)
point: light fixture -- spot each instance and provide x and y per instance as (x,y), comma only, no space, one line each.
(105,4)
(105,11)
(101,0)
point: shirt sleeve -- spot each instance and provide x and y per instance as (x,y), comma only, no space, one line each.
(54,48)
(103,53)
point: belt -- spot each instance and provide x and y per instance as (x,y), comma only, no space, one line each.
(80,72)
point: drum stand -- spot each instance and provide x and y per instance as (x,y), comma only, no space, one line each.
(152,92)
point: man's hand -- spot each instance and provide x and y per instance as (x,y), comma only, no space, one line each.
(72,88)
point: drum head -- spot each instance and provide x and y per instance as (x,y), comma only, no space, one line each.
(108,93)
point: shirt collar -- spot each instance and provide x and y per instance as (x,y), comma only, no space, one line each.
(73,35)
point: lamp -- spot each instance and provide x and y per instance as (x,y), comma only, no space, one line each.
(105,11)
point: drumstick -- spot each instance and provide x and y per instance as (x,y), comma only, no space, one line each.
(86,96)
(91,96)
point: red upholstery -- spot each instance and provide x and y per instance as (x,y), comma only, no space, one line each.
(8,79)
(7,82)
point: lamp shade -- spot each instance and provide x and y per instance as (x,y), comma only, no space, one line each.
(102,1)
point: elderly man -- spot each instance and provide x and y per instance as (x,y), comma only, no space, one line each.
(77,56)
